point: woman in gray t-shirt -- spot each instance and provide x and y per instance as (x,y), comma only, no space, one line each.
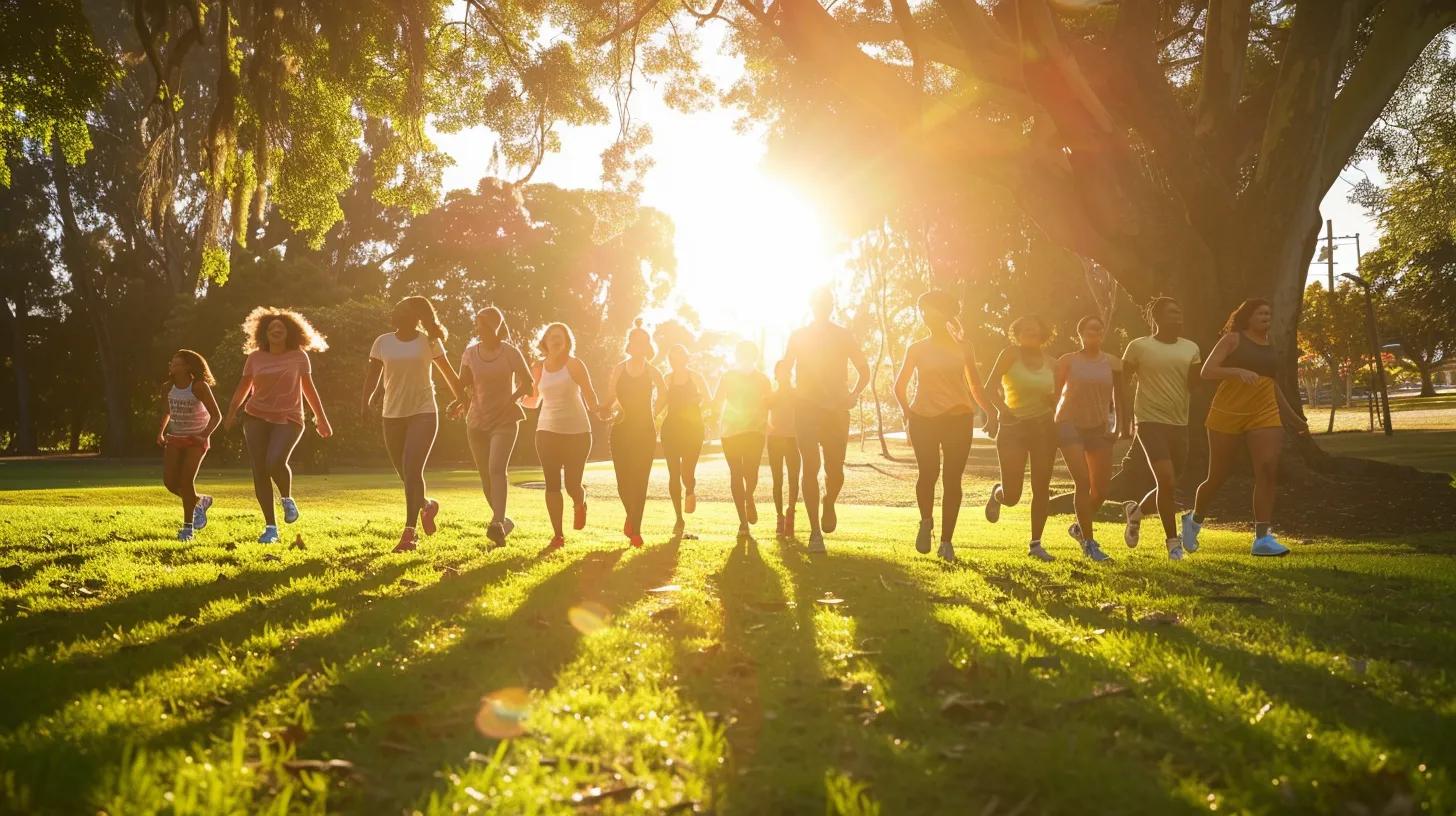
(495,376)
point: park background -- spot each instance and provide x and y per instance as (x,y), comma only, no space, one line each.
(168,165)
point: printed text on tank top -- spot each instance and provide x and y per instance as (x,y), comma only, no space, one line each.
(189,417)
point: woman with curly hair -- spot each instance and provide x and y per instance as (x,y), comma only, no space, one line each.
(562,389)
(403,361)
(189,416)
(277,379)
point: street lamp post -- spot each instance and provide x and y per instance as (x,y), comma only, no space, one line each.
(1374,330)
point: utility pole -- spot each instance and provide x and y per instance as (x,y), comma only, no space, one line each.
(1330,261)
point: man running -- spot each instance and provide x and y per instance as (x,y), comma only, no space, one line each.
(1164,365)
(820,354)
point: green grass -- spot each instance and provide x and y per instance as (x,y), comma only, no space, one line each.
(143,675)
(1424,448)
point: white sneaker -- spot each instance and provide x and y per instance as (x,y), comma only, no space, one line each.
(1134,516)
(1040,554)
(1175,549)
(1190,533)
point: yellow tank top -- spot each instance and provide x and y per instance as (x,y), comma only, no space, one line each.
(1029,391)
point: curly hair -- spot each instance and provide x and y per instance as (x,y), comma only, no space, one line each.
(1027,320)
(196,365)
(1238,319)
(301,333)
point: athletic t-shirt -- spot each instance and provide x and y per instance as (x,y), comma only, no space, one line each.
(408,387)
(277,385)
(1162,378)
(493,378)
(821,373)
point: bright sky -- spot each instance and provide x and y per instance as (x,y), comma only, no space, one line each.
(749,248)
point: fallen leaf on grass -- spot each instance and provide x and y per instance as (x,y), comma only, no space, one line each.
(665,589)
(1100,692)
(1159,617)
(298,543)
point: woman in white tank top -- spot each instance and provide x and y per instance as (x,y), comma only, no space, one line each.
(189,416)
(564,392)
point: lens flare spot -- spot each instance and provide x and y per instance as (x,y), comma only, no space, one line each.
(588,617)
(503,713)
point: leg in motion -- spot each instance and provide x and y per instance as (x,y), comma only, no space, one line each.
(420,431)
(776,467)
(256,437)
(1043,457)
(549,452)
(925,442)
(1265,445)
(1223,451)
(957,448)
(578,448)
(836,445)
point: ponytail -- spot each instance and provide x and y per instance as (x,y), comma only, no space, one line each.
(502,331)
(425,317)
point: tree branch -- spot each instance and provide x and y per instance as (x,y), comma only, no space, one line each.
(1225,42)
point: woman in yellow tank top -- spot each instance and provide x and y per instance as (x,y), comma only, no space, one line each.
(1021,388)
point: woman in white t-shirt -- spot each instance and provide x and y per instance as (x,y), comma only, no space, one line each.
(404,360)
(563,389)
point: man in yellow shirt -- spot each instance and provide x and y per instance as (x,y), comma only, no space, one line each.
(1164,366)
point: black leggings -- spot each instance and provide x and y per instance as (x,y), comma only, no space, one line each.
(633,446)
(783,460)
(743,452)
(269,446)
(409,440)
(682,444)
(930,437)
(562,454)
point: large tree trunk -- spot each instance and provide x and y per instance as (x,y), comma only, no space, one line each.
(24,443)
(1428,387)
(84,276)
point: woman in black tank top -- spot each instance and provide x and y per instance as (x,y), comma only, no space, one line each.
(682,432)
(634,437)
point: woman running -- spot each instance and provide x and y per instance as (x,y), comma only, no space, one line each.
(682,432)
(403,361)
(940,420)
(633,384)
(277,379)
(1250,407)
(783,448)
(495,376)
(1022,389)
(189,416)
(1088,381)
(563,389)
(741,403)
(1165,367)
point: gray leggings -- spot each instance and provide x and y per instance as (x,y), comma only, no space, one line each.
(269,446)
(409,440)
(492,453)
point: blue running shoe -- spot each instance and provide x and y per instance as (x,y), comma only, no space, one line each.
(199,513)
(290,510)
(1190,533)
(1093,551)
(269,536)
(1269,545)
(185,534)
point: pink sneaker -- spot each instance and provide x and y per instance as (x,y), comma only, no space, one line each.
(407,542)
(427,516)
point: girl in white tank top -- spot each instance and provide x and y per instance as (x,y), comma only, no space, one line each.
(563,430)
(563,410)
(189,416)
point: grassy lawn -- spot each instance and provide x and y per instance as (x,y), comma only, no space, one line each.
(143,675)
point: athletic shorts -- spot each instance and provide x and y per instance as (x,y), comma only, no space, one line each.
(1038,434)
(1095,437)
(1164,443)
(1239,407)
(183,442)
(815,425)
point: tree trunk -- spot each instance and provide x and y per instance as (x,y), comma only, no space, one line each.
(880,356)
(1428,386)
(24,443)
(83,275)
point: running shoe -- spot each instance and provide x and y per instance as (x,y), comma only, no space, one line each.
(557,542)
(751,510)
(743,531)
(1134,517)
(779,528)
(922,539)
(1190,533)
(947,552)
(1075,531)
(269,536)
(636,541)
(427,516)
(508,525)
(1175,549)
(830,521)
(816,542)
(690,502)
(408,541)
(1267,544)
(993,507)
(1036,551)
(1093,550)
(496,532)
(199,513)
(290,509)
(185,534)
(578,516)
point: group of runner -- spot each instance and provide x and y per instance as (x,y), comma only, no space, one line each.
(1035,406)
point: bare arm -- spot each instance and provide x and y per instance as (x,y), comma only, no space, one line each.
(452,379)
(203,392)
(862,373)
(1120,406)
(525,383)
(992,390)
(166,416)
(583,381)
(610,399)
(977,392)
(659,386)
(1059,373)
(1214,369)
(245,387)
(902,381)
(371,384)
(316,404)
